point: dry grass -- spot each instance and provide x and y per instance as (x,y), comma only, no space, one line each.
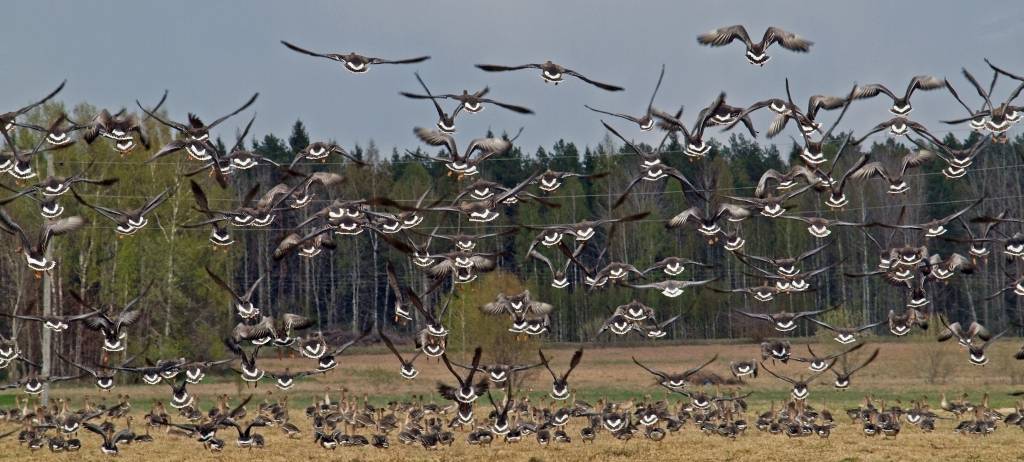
(900,373)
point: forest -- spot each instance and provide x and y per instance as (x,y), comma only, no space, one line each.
(344,290)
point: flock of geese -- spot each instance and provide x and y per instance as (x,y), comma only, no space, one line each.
(452,260)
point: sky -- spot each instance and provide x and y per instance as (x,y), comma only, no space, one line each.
(212,55)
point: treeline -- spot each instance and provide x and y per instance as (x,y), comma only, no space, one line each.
(186,314)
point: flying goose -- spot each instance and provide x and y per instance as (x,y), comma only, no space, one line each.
(102,373)
(843,378)
(560,384)
(326,362)
(114,329)
(756,52)
(673,381)
(671,288)
(462,163)
(900,103)
(785,321)
(559,275)
(896,179)
(35,251)
(354,62)
(56,323)
(470,102)
(466,391)
(550,72)
(19,162)
(9,119)
(408,370)
(243,301)
(111,439)
(127,221)
(818,363)
(196,134)
(846,335)
(696,147)
(646,121)
(800,390)
(785,266)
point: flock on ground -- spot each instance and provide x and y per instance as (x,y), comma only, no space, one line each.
(453,260)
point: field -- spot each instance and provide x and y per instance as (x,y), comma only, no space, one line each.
(904,371)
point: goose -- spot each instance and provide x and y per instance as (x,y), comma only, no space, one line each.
(784,266)
(180,397)
(246,437)
(560,384)
(671,288)
(520,303)
(354,62)
(121,128)
(743,368)
(53,186)
(696,147)
(896,126)
(550,180)
(19,162)
(127,222)
(471,102)
(646,121)
(35,251)
(464,163)
(467,391)
(559,275)
(321,150)
(8,119)
(195,371)
(102,373)
(56,323)
(818,363)
(501,424)
(846,335)
(843,378)
(785,321)
(279,329)
(550,72)
(999,118)
(242,300)
(434,330)
(114,329)
(675,382)
(812,153)
(674,266)
(469,241)
(895,179)
(785,180)
(407,370)
(776,349)
(32,383)
(756,52)
(249,370)
(976,119)
(445,122)
(307,246)
(111,439)
(654,330)
(800,390)
(900,103)
(965,337)
(403,304)
(195,133)
(900,324)
(286,380)
(957,160)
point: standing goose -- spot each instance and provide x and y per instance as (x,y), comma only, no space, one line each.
(646,121)
(843,378)
(243,301)
(466,391)
(35,251)
(550,72)
(354,62)
(196,134)
(560,384)
(756,52)
(800,390)
(900,103)
(127,221)
(675,382)
(114,329)
(408,370)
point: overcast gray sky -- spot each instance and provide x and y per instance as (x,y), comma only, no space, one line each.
(213,55)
